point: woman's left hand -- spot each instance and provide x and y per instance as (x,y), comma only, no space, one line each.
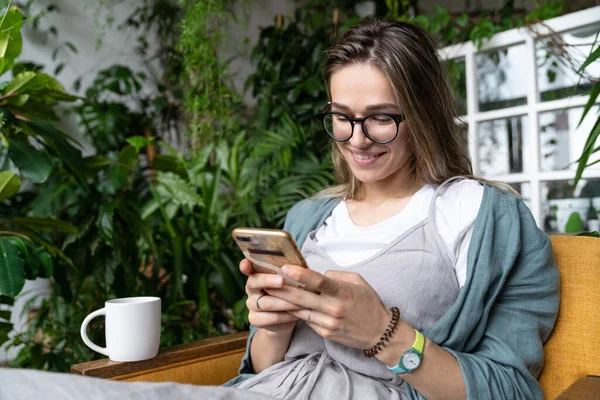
(347,310)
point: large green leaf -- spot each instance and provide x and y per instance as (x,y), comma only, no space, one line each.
(104,223)
(61,145)
(588,149)
(20,82)
(46,263)
(32,266)
(594,55)
(32,110)
(125,163)
(34,165)
(182,191)
(12,269)
(49,224)
(39,83)
(591,101)
(11,42)
(10,183)
(169,163)
(97,162)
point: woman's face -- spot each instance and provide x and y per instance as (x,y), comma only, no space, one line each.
(359,90)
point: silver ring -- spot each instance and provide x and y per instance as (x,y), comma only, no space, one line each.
(309,321)
(260,297)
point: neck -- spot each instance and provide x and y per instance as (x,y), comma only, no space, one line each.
(397,186)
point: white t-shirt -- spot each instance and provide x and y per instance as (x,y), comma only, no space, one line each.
(455,211)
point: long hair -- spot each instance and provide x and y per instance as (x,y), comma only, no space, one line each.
(407,55)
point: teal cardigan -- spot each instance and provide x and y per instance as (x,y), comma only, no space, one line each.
(505,311)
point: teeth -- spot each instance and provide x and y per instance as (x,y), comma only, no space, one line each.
(361,157)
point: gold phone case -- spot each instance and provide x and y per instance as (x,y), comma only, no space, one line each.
(270,246)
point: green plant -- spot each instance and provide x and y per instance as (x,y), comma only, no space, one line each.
(143,219)
(574,223)
(212,106)
(28,144)
(588,148)
(451,29)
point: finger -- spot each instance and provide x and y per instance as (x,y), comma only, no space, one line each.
(350,277)
(312,279)
(257,282)
(246,267)
(317,319)
(269,304)
(265,319)
(299,297)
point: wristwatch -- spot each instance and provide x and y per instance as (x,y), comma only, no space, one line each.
(411,358)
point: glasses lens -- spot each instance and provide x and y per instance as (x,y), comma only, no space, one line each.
(337,126)
(380,128)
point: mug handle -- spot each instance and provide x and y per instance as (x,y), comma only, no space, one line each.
(84,336)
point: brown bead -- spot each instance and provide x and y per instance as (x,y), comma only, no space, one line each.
(387,334)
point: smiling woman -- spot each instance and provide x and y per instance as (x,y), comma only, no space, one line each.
(403,252)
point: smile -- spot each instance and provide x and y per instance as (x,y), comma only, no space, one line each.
(365,159)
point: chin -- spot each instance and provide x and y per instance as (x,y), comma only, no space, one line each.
(368,176)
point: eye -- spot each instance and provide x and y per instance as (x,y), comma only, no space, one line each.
(383,119)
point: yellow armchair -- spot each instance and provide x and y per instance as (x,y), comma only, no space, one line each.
(572,354)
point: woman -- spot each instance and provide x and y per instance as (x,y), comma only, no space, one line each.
(471,275)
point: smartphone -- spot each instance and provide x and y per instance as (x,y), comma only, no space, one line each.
(271,249)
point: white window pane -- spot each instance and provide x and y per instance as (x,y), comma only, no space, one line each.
(501,82)
(502,146)
(561,142)
(559,57)
(560,203)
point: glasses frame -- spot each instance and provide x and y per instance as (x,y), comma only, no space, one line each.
(398,118)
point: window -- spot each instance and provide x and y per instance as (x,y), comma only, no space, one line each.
(523,103)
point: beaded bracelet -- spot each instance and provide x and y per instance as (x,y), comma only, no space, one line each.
(387,334)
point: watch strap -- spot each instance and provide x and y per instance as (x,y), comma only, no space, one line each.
(419,343)
(417,348)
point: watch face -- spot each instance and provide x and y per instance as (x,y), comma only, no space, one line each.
(411,361)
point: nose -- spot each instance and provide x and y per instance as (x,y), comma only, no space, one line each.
(358,139)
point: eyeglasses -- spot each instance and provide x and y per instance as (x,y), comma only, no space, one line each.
(380,128)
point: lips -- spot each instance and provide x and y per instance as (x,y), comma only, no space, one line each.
(364,159)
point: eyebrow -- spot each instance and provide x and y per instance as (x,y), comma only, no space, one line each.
(371,107)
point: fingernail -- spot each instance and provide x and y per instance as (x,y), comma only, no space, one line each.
(285,269)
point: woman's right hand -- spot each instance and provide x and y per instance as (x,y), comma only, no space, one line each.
(273,313)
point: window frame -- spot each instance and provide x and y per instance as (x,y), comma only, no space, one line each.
(534,107)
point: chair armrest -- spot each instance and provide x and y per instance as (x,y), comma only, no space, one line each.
(205,362)
(582,388)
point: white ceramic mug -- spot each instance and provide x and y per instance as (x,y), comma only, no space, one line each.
(132,328)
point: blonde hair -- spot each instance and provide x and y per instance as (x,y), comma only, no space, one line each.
(407,55)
